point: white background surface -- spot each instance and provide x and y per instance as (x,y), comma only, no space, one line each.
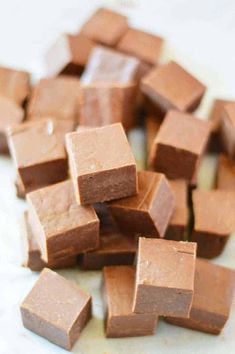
(200,35)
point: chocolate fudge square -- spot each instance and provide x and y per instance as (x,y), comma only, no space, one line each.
(165,277)
(214,220)
(62,227)
(32,253)
(118,290)
(107,65)
(170,86)
(143,45)
(212,300)
(102,164)
(38,151)
(116,247)
(68,55)
(10,113)
(148,213)
(14,84)
(55,97)
(107,103)
(105,26)
(56,309)
(179,144)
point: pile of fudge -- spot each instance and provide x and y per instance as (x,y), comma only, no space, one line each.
(150,231)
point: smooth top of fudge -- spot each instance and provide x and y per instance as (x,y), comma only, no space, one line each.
(55,96)
(10,113)
(57,209)
(216,113)
(214,211)
(229,112)
(99,149)
(180,191)
(14,84)
(174,84)
(226,173)
(105,26)
(107,65)
(38,141)
(148,185)
(164,263)
(184,131)
(119,284)
(143,45)
(214,287)
(55,300)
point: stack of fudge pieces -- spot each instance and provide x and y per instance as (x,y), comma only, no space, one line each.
(88,206)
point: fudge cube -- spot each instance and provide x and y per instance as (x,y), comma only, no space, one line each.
(228,129)
(179,145)
(38,151)
(56,309)
(225,178)
(56,97)
(116,248)
(102,164)
(212,300)
(10,113)
(62,227)
(106,103)
(179,221)
(165,277)
(169,86)
(68,55)
(105,26)
(147,213)
(107,65)
(32,254)
(118,289)
(214,220)
(14,84)
(143,45)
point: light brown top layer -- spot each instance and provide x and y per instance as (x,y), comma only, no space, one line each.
(99,149)
(164,263)
(184,131)
(55,300)
(214,211)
